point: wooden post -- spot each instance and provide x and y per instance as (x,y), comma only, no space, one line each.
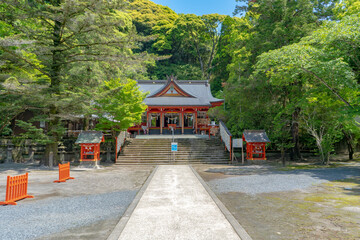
(147,120)
(116,148)
(231,155)
(81,152)
(161,122)
(242,153)
(182,122)
(196,122)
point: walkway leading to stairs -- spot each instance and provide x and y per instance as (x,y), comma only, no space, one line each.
(176,204)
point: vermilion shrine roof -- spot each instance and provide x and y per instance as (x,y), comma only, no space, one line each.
(255,136)
(90,137)
(174,92)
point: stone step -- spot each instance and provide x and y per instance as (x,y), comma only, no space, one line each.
(169,152)
(158,151)
(169,162)
(168,157)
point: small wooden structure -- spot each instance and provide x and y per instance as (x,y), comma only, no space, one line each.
(255,144)
(90,146)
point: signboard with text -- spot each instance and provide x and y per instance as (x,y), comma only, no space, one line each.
(174,146)
(237,143)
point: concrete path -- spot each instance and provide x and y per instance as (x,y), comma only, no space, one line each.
(175,205)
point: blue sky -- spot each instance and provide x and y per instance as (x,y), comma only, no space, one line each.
(200,7)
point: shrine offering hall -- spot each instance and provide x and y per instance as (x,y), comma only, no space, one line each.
(180,104)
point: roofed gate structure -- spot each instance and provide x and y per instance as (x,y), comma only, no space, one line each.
(181,104)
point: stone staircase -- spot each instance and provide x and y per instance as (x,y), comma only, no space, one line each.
(158,151)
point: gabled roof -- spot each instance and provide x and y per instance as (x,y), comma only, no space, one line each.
(171,89)
(90,137)
(186,93)
(255,136)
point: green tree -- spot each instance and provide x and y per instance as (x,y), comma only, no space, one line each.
(268,25)
(323,64)
(199,37)
(347,8)
(76,46)
(119,105)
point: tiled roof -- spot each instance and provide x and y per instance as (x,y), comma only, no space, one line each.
(199,90)
(90,137)
(255,136)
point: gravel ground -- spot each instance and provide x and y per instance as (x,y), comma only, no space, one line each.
(276,181)
(54,215)
(87,207)
(299,204)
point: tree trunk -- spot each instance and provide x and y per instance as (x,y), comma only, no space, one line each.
(283,160)
(86,122)
(349,139)
(295,134)
(55,91)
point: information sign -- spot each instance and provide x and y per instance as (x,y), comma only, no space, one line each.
(237,143)
(174,146)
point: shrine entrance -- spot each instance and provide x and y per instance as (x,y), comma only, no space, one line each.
(189,120)
(154,120)
(172,118)
(181,105)
(157,121)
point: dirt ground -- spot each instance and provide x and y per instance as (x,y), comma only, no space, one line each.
(328,210)
(110,178)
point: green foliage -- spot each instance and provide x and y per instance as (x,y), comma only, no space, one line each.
(283,66)
(66,49)
(184,72)
(119,105)
(150,18)
(32,132)
(347,8)
(321,65)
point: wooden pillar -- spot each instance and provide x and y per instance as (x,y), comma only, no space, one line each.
(196,122)
(81,152)
(231,150)
(147,119)
(161,122)
(182,121)
(116,149)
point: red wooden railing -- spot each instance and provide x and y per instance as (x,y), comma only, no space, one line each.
(16,189)
(64,173)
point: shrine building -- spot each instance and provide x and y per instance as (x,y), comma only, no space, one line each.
(180,104)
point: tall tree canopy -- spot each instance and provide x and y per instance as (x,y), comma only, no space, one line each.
(71,46)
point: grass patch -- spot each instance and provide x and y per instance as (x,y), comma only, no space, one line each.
(307,166)
(341,200)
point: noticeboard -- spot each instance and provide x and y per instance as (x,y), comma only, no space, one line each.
(237,143)
(174,146)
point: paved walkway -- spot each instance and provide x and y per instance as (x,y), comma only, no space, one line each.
(175,205)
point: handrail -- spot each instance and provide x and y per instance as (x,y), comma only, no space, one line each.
(226,137)
(226,129)
(120,141)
